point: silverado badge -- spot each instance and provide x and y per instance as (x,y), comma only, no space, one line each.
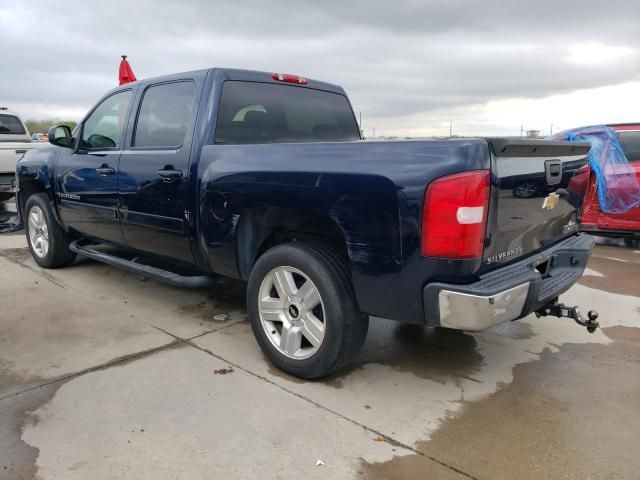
(550,201)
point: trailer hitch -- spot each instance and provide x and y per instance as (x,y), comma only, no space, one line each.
(561,310)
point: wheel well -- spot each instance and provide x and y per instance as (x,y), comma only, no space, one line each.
(28,188)
(261,229)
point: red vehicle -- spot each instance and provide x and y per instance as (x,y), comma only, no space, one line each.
(624,225)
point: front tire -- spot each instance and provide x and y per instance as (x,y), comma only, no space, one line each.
(48,242)
(303,310)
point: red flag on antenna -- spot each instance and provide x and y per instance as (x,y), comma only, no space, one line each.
(125,75)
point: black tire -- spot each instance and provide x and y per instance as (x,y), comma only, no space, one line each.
(525,190)
(58,253)
(630,242)
(345,326)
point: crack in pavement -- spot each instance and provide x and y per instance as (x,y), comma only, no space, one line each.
(387,438)
(231,324)
(41,273)
(118,361)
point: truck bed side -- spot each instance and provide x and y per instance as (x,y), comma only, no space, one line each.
(371,191)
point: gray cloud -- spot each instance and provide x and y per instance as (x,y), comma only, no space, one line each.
(394,59)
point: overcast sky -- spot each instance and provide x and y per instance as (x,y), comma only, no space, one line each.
(410,66)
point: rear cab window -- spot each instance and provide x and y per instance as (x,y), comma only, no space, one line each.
(630,141)
(253,112)
(11,125)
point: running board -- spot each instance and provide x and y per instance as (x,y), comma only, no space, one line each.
(172,278)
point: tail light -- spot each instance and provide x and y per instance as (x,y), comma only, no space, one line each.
(286,77)
(454,215)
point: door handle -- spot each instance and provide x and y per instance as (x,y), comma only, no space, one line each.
(553,170)
(169,174)
(105,170)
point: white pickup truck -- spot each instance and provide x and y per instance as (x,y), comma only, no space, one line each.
(14,142)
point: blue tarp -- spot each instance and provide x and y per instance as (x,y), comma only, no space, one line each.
(618,189)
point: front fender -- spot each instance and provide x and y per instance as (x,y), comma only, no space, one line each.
(35,173)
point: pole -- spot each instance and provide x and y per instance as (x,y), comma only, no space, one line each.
(551,129)
(521,131)
(374,132)
(450,128)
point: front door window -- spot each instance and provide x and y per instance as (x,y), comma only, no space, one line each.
(105,126)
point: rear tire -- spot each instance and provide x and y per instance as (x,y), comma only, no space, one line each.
(48,242)
(303,310)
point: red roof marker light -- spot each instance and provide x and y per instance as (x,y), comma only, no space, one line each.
(287,77)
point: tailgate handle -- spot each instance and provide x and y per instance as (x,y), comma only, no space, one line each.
(553,170)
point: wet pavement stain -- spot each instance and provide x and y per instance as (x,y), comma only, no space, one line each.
(437,354)
(555,420)
(18,254)
(18,461)
(222,298)
(622,333)
(13,381)
(621,277)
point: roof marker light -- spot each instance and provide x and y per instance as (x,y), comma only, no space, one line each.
(286,77)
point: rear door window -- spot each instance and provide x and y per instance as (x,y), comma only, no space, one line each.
(10,124)
(165,115)
(252,112)
(630,142)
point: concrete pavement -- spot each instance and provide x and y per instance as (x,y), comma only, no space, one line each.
(104,375)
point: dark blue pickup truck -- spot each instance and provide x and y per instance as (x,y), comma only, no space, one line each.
(265,178)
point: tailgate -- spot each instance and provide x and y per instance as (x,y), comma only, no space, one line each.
(10,153)
(537,192)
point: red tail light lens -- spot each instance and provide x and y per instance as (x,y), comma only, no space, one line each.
(286,77)
(454,215)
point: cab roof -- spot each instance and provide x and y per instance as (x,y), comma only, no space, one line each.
(244,75)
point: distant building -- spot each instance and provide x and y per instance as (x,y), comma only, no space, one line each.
(533,133)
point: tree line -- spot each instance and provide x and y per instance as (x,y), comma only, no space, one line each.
(41,126)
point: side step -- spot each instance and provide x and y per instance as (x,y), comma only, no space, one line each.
(172,278)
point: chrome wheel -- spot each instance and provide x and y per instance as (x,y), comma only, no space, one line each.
(291,312)
(38,232)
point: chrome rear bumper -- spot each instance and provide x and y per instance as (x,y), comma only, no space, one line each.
(509,292)
(464,311)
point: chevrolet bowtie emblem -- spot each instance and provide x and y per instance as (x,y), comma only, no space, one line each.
(550,201)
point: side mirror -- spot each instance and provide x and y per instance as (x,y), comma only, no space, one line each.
(60,135)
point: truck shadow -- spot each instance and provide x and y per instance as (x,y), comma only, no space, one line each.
(438,354)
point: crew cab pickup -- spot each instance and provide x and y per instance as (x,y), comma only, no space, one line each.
(265,178)
(14,142)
